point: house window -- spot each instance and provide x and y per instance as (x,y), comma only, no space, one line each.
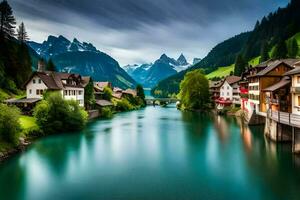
(30,91)
(298,100)
(227,93)
(40,81)
(39,92)
(33,81)
(69,92)
(227,87)
(79,92)
(66,92)
(298,79)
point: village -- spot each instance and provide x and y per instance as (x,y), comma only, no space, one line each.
(267,94)
(71,86)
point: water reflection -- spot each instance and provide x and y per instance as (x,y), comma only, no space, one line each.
(156,153)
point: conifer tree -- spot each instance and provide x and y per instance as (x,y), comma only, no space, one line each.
(7,20)
(264,52)
(293,48)
(240,65)
(280,51)
(22,34)
(51,66)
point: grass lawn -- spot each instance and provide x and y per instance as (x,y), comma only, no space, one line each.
(221,72)
(28,122)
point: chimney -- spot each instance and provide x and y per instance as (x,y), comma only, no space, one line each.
(41,66)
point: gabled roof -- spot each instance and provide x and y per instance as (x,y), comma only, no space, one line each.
(117,95)
(293,72)
(130,92)
(103,103)
(272,64)
(285,81)
(232,79)
(103,84)
(53,80)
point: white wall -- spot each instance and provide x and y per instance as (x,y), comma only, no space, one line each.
(226,91)
(76,94)
(31,88)
(253,104)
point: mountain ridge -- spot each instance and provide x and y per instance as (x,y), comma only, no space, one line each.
(150,74)
(83,58)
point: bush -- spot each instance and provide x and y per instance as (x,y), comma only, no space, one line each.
(107,93)
(124,105)
(54,114)
(106,113)
(9,123)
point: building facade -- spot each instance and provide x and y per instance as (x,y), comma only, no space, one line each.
(71,86)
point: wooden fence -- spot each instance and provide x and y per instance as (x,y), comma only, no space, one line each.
(285,118)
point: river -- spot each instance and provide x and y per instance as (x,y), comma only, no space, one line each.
(154,153)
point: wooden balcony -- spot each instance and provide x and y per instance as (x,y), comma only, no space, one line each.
(285,118)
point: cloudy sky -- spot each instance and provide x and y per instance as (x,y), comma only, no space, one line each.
(139,31)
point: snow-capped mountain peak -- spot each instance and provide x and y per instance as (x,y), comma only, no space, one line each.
(57,45)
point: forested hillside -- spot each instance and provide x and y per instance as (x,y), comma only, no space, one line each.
(15,60)
(275,36)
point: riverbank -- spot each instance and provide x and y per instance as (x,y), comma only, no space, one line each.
(31,132)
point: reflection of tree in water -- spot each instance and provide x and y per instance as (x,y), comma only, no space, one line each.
(273,162)
(57,151)
(196,125)
(12,180)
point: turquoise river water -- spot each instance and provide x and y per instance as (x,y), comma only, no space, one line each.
(154,153)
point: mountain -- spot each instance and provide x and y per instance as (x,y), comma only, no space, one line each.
(83,58)
(222,54)
(57,45)
(150,74)
(277,26)
(196,60)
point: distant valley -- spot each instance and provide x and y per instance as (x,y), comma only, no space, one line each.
(151,73)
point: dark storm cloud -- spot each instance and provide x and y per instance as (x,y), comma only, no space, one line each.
(128,27)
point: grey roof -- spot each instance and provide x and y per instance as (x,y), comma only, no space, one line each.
(103,103)
(273,64)
(285,81)
(29,100)
(53,80)
(292,72)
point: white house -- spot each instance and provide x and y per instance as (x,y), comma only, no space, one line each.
(71,86)
(229,92)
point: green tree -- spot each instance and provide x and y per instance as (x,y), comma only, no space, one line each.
(9,123)
(54,114)
(264,52)
(240,65)
(89,96)
(22,33)
(194,90)
(107,93)
(280,51)
(140,92)
(293,48)
(51,66)
(7,20)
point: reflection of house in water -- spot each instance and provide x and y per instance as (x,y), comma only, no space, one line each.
(222,128)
